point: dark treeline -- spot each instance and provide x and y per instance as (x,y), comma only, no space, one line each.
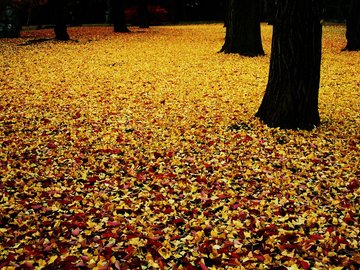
(161,11)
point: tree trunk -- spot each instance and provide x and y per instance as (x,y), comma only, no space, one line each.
(143,12)
(118,16)
(227,13)
(243,34)
(353,27)
(270,11)
(291,97)
(58,8)
(10,25)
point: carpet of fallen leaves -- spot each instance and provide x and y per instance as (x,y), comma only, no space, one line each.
(140,150)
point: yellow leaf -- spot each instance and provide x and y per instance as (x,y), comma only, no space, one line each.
(288,254)
(165,253)
(52,259)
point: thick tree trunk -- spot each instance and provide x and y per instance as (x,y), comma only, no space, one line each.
(270,11)
(58,8)
(243,35)
(118,16)
(143,12)
(291,97)
(227,13)
(353,27)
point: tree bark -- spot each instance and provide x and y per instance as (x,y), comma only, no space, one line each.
(227,13)
(353,27)
(243,34)
(270,11)
(118,16)
(291,96)
(58,8)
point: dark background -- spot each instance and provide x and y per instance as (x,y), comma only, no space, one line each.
(161,11)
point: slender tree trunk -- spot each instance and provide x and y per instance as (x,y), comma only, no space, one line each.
(10,25)
(143,12)
(118,16)
(353,27)
(291,97)
(59,15)
(243,34)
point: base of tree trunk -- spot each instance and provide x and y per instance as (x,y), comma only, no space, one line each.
(61,33)
(353,27)
(291,97)
(287,122)
(352,47)
(227,50)
(121,29)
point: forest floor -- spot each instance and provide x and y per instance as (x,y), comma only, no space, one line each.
(141,150)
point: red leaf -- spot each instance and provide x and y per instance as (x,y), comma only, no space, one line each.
(46,120)
(76,231)
(168,210)
(179,221)
(354,184)
(305,265)
(77,115)
(235,255)
(71,258)
(113,223)
(341,240)
(93,179)
(176,237)
(85,258)
(140,176)
(316,237)
(224,196)
(203,266)
(109,235)
(51,145)
(247,138)
(129,249)
(201,179)
(242,215)
(155,243)
(259,257)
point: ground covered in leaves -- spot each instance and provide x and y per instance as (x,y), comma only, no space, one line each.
(140,150)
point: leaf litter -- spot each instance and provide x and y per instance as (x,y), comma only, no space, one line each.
(140,150)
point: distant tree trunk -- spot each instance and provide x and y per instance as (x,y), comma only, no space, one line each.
(118,16)
(353,27)
(59,15)
(291,97)
(143,12)
(10,25)
(243,34)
